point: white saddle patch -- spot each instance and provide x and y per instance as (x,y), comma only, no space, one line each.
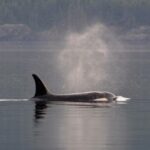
(101,100)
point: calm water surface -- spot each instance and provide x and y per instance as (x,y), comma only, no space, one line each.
(74,126)
(25,125)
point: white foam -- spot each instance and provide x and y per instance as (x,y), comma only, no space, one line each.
(122,99)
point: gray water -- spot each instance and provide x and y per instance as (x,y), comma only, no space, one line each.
(71,126)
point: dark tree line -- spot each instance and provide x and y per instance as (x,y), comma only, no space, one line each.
(44,14)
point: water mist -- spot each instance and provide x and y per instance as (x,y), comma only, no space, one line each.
(84,61)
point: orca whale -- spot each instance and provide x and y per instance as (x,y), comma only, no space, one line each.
(42,94)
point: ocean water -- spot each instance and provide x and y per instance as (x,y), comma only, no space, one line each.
(25,125)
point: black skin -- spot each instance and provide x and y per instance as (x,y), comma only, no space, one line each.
(43,94)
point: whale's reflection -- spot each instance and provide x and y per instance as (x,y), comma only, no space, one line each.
(40,110)
(42,106)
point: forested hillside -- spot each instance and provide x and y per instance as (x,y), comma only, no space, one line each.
(44,14)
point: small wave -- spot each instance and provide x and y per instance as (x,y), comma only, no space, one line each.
(12,100)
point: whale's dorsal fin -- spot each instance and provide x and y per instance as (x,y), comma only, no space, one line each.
(40,87)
